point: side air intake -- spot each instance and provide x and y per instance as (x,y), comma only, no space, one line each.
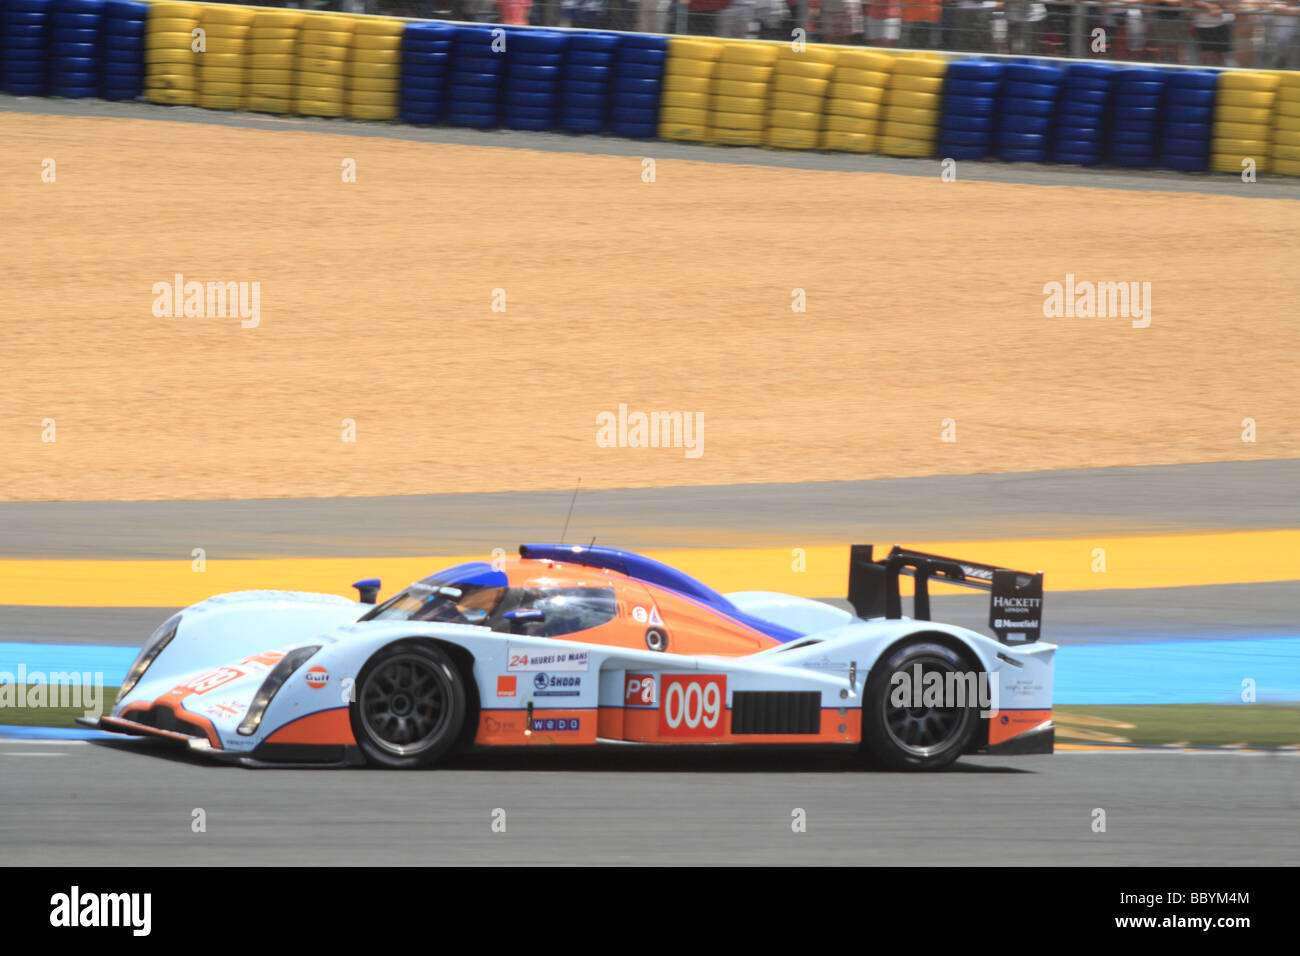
(776,712)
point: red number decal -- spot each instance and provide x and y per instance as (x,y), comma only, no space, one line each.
(693,705)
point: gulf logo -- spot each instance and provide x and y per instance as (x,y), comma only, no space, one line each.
(317,677)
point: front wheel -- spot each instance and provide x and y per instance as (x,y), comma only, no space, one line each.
(409,706)
(904,726)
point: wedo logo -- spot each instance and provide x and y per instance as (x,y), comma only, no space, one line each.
(75,909)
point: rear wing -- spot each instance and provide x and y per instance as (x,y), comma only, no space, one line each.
(1015,605)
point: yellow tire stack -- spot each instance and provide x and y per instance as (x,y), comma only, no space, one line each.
(738,115)
(223,66)
(323,56)
(913,106)
(798,98)
(1243,120)
(688,76)
(853,103)
(272,43)
(375,73)
(1286,125)
(169,58)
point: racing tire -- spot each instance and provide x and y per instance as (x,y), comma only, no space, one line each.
(915,738)
(409,706)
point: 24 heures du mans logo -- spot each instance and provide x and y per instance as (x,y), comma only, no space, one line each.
(78,909)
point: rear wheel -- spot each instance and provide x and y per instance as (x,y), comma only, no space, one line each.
(918,735)
(409,706)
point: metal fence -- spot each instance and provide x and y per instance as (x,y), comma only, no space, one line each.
(1246,33)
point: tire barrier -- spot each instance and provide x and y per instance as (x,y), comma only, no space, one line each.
(1243,121)
(322,60)
(121,50)
(1135,120)
(638,85)
(968,120)
(1030,92)
(74,47)
(738,95)
(26,28)
(475,78)
(912,106)
(798,101)
(426,51)
(687,86)
(223,61)
(1187,119)
(1082,113)
(531,89)
(586,82)
(1286,126)
(169,58)
(375,68)
(854,101)
(273,38)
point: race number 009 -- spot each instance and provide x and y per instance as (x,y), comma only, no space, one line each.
(692,705)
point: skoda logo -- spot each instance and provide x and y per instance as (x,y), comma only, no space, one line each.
(539,682)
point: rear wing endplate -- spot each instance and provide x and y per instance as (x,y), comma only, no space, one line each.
(1015,603)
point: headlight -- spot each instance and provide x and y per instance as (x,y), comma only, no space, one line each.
(274,680)
(158,640)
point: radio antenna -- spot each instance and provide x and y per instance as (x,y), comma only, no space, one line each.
(572,501)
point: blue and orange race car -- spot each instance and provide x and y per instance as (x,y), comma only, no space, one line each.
(572,645)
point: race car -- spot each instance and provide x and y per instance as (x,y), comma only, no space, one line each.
(568,645)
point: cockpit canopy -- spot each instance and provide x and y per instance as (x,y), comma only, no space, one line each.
(479,594)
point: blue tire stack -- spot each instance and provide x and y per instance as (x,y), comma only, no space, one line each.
(535,63)
(1135,119)
(26,28)
(426,52)
(584,91)
(74,47)
(474,84)
(121,49)
(1187,119)
(1082,112)
(970,100)
(638,83)
(1027,109)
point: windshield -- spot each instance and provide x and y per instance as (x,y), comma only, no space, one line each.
(465,594)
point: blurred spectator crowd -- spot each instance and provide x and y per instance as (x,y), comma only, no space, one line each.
(1247,33)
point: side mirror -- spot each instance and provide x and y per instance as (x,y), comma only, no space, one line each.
(367,589)
(523,615)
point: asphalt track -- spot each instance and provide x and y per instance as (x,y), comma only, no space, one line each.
(1261,494)
(88,804)
(1268,186)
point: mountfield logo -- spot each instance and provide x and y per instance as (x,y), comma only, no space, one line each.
(75,909)
(626,429)
(1098,300)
